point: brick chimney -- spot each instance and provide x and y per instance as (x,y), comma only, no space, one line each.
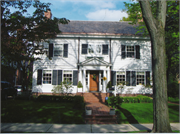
(48,14)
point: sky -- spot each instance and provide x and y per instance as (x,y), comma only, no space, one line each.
(88,10)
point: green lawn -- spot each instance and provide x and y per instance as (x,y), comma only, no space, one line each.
(26,111)
(143,113)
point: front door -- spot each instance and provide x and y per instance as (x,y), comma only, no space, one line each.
(94,81)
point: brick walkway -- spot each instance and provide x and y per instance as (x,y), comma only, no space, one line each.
(100,112)
(98,108)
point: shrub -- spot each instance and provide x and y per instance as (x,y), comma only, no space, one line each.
(80,85)
(114,101)
(109,85)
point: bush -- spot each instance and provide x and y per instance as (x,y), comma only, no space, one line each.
(137,99)
(53,98)
(114,101)
(175,100)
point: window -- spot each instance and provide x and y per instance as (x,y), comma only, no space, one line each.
(94,49)
(67,75)
(58,50)
(140,78)
(120,77)
(130,51)
(84,48)
(105,49)
(47,76)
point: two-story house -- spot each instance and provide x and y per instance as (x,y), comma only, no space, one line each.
(88,51)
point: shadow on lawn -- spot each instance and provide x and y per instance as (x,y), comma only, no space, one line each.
(129,116)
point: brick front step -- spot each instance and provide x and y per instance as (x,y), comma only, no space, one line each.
(100,119)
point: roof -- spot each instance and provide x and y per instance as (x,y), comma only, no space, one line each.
(98,27)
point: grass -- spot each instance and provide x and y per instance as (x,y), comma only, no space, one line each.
(143,113)
(26,111)
(174,100)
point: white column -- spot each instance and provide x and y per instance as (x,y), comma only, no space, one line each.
(80,75)
(108,75)
(104,86)
(84,80)
(100,81)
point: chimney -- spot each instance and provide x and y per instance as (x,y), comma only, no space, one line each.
(48,14)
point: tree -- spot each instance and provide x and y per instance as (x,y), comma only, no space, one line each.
(156,29)
(21,36)
(171,38)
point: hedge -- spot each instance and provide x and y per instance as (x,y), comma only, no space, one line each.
(53,98)
(114,101)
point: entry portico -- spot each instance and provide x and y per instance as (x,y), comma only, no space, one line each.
(91,73)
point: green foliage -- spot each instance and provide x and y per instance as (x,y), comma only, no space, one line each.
(114,101)
(137,99)
(80,85)
(171,37)
(143,113)
(109,85)
(22,34)
(174,100)
(64,88)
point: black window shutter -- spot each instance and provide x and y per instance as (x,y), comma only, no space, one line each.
(127,78)
(65,50)
(75,77)
(39,77)
(137,52)
(123,51)
(148,78)
(54,80)
(133,78)
(84,48)
(59,77)
(113,78)
(50,50)
(105,49)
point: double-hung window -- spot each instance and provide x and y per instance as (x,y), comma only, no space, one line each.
(58,50)
(140,78)
(120,77)
(47,76)
(130,51)
(68,75)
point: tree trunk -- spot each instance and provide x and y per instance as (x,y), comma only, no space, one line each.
(160,99)
(156,28)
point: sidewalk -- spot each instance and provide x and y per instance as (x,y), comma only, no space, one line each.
(75,128)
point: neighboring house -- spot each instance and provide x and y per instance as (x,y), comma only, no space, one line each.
(87,51)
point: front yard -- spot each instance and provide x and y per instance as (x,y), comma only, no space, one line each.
(28,111)
(143,113)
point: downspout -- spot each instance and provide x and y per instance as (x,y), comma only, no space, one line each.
(110,57)
(78,58)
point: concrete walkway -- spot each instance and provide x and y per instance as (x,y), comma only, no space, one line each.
(74,128)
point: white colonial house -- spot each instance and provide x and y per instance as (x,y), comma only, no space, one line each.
(88,51)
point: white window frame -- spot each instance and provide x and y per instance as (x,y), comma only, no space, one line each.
(120,73)
(44,81)
(56,48)
(68,72)
(140,73)
(130,51)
